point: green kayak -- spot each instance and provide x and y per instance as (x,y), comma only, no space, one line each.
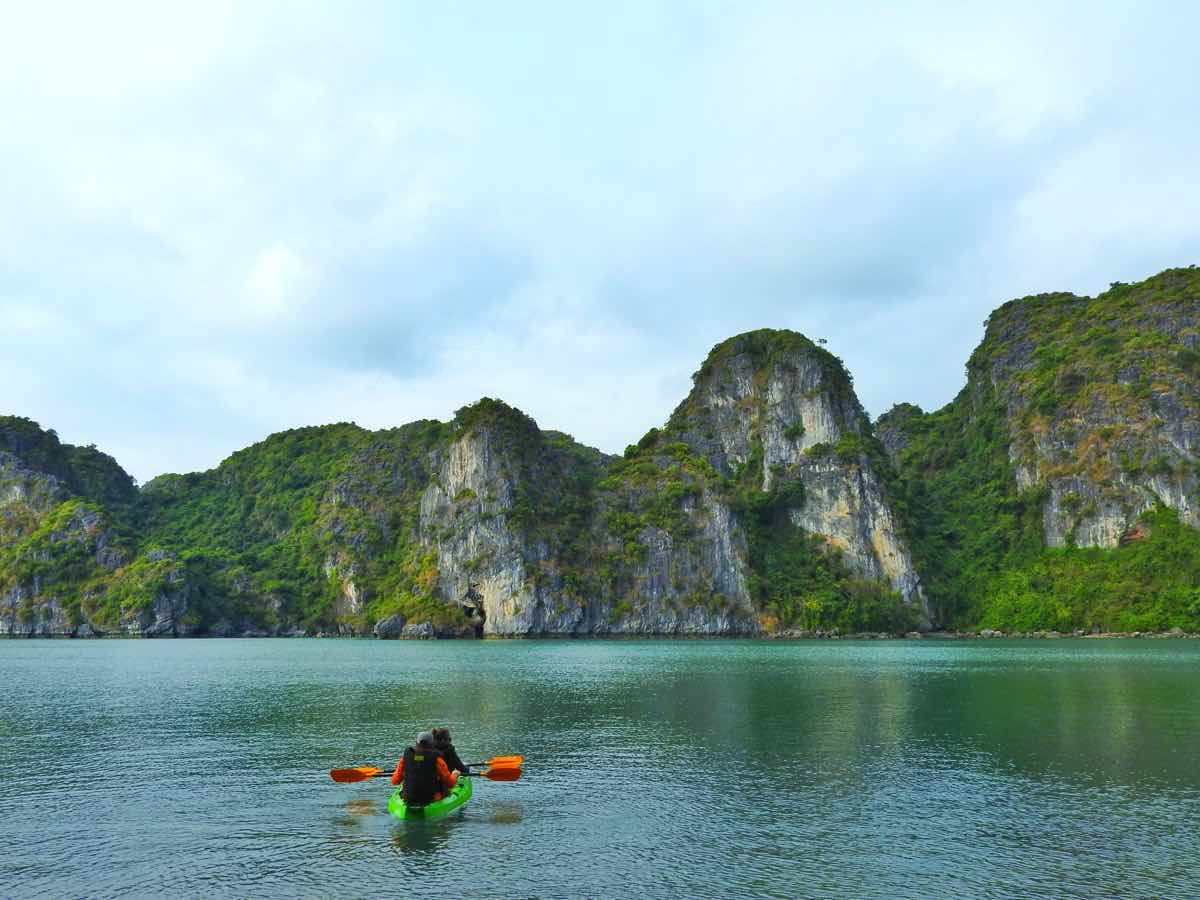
(438,808)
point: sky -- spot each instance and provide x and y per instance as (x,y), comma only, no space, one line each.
(222,220)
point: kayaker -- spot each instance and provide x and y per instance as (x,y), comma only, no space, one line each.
(423,772)
(441,740)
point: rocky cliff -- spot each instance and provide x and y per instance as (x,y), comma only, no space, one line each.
(759,506)
(1078,424)
(1101,399)
(774,409)
(52,541)
(1060,489)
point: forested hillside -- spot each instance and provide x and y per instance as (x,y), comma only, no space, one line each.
(1059,490)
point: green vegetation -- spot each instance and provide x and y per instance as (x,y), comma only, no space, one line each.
(261,511)
(800,581)
(54,547)
(1151,584)
(1087,365)
(335,527)
(132,590)
(977,540)
(955,491)
(84,471)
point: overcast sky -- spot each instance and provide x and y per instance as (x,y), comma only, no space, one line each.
(221,221)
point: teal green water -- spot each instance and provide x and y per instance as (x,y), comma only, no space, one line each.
(654,769)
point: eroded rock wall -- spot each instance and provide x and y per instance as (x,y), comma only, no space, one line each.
(778,403)
(1102,404)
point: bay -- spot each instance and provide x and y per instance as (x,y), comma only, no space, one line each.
(653,768)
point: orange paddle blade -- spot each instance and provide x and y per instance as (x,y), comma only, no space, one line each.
(509,762)
(506,762)
(355,774)
(501,773)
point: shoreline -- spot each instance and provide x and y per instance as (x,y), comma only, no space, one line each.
(783,637)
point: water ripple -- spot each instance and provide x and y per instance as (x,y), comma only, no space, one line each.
(661,769)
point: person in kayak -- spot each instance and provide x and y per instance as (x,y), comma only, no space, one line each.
(423,773)
(441,740)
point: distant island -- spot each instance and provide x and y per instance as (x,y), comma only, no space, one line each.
(1059,491)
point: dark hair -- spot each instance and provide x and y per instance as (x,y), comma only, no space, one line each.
(441,736)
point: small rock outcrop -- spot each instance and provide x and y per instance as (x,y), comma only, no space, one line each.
(390,628)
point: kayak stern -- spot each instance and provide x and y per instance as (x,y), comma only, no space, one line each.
(438,809)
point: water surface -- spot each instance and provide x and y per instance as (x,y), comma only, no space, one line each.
(654,768)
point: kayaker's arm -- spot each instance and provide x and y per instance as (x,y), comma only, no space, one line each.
(399,773)
(447,781)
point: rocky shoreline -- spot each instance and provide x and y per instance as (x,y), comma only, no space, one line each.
(425,632)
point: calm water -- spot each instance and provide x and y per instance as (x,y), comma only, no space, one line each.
(654,769)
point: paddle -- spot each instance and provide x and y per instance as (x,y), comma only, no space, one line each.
(499,773)
(356,774)
(509,762)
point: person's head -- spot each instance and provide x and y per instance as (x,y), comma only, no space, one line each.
(425,740)
(441,737)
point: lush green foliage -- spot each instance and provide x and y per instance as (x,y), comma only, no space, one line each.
(132,590)
(1094,370)
(259,510)
(286,530)
(798,579)
(55,547)
(955,492)
(1081,369)
(1152,584)
(84,471)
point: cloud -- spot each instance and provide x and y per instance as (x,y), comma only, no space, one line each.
(222,222)
(279,284)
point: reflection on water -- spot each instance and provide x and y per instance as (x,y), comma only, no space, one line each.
(357,810)
(506,814)
(882,769)
(418,838)
(364,807)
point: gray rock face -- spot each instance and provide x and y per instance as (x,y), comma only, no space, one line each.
(783,412)
(22,485)
(526,532)
(849,506)
(693,585)
(351,600)
(493,555)
(738,408)
(33,615)
(167,614)
(512,532)
(890,428)
(390,628)
(466,518)
(419,630)
(1105,452)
